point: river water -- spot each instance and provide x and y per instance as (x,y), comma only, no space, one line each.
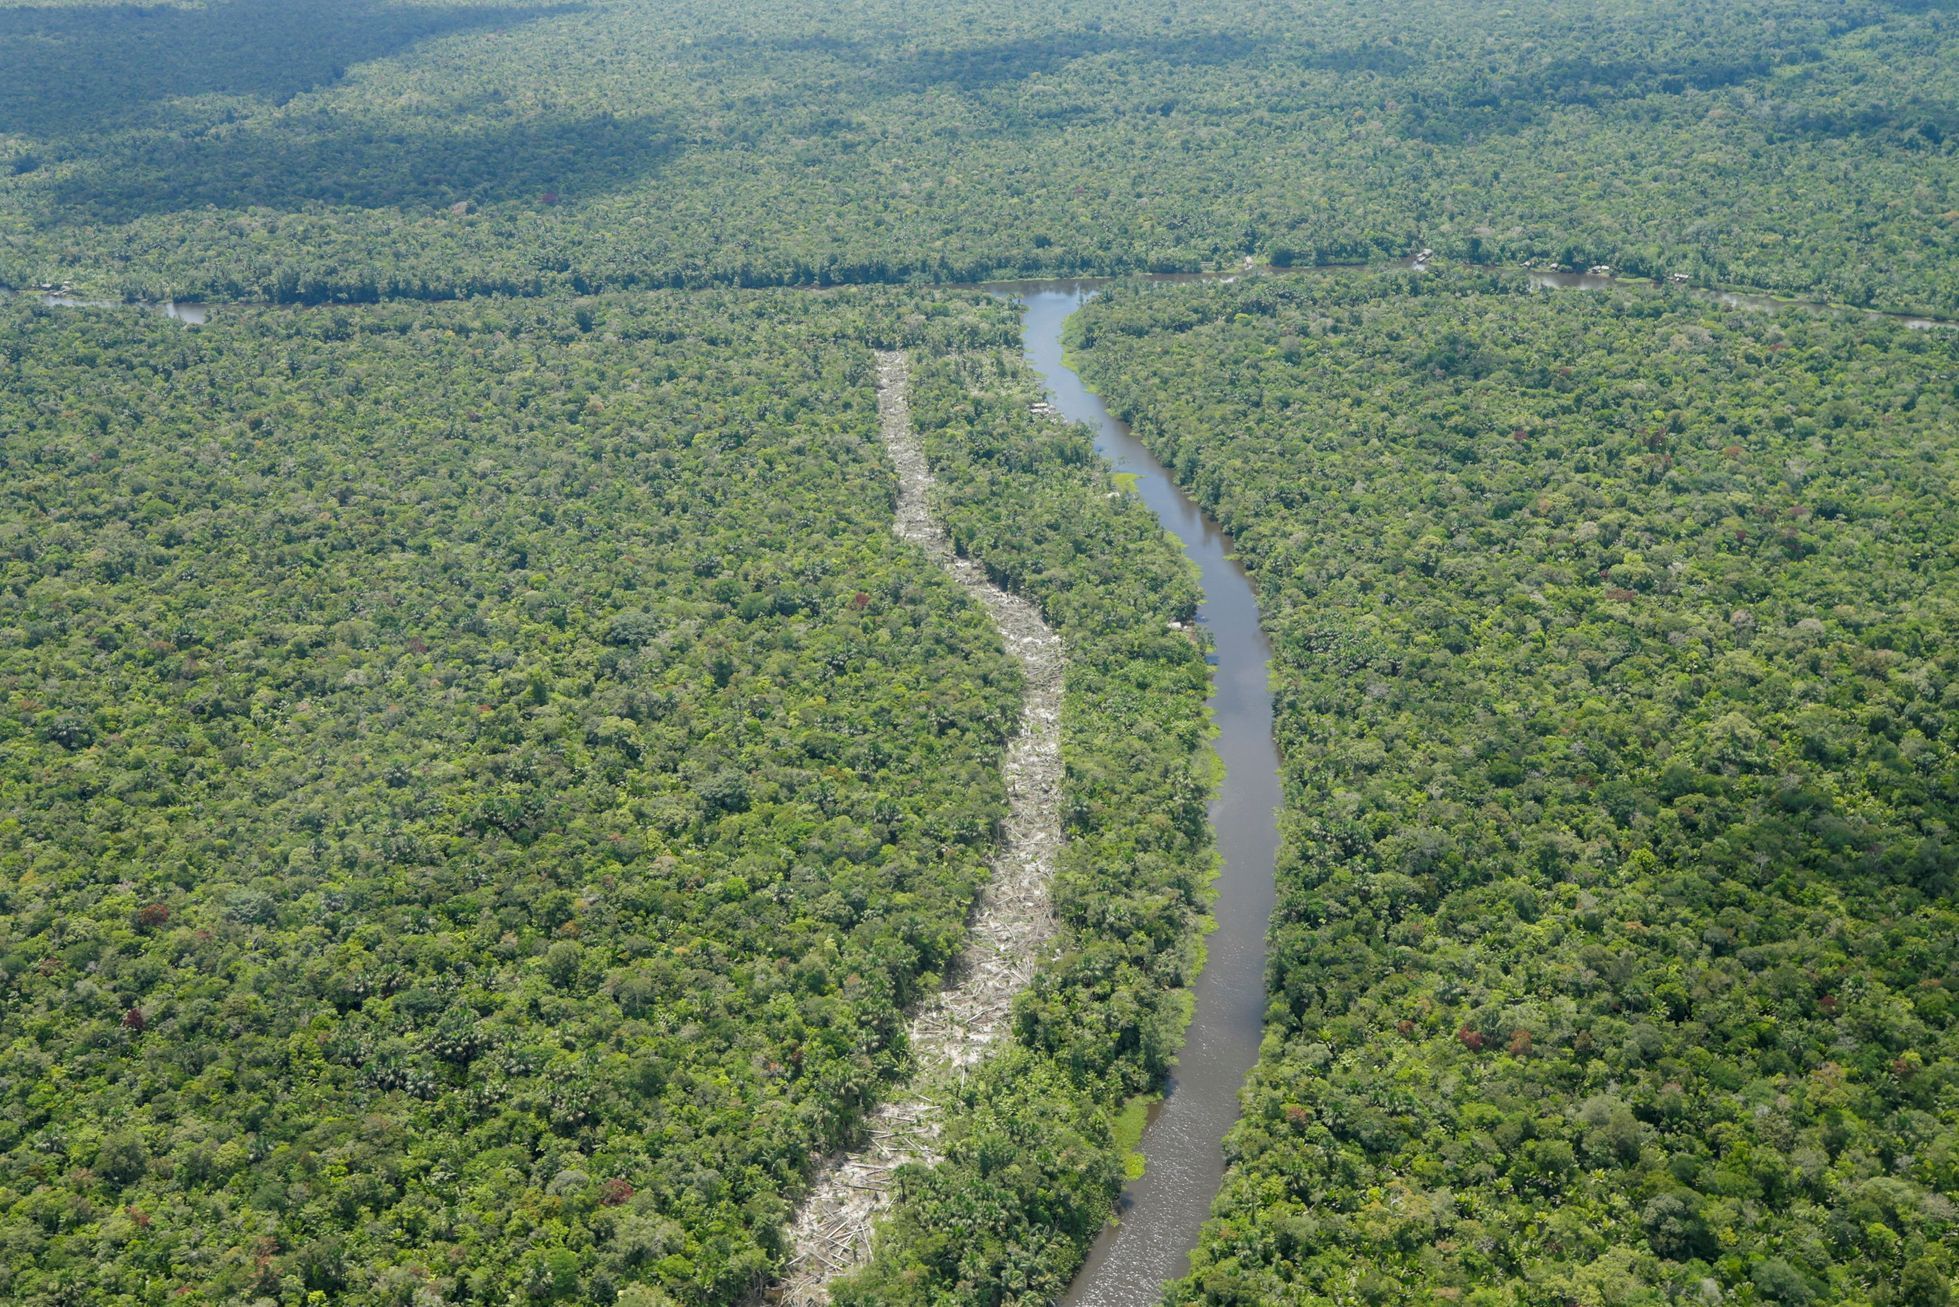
(191,315)
(1184,1141)
(1160,1215)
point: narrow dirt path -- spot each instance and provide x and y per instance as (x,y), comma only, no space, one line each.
(1010,924)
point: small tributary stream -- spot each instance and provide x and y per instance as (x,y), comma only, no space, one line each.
(1161,1212)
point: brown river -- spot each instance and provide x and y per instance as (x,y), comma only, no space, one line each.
(1161,1213)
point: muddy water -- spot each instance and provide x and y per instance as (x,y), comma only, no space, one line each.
(1161,1213)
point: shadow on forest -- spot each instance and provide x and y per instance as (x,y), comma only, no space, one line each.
(341,160)
(77,69)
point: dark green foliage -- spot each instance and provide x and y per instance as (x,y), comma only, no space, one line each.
(361,149)
(1028,1180)
(422,865)
(1617,940)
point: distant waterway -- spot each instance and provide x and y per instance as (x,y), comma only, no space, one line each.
(191,315)
(1184,1141)
(197,314)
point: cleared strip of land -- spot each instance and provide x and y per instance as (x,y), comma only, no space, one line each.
(1011,922)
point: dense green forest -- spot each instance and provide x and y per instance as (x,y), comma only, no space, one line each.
(357,149)
(1617,949)
(483,788)
(484,782)
(481,785)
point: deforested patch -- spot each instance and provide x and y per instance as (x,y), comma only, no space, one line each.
(1011,923)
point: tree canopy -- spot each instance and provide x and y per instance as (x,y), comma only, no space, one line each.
(481,785)
(319,149)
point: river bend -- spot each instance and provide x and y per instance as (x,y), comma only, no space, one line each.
(1160,1214)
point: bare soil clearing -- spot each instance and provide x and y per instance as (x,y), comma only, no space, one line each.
(1012,921)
